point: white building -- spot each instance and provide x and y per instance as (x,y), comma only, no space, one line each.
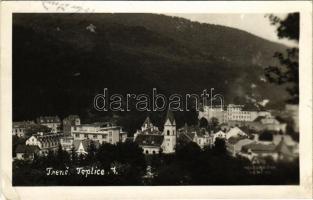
(68,122)
(101,132)
(45,142)
(19,128)
(52,122)
(232,112)
(235,144)
(196,134)
(235,132)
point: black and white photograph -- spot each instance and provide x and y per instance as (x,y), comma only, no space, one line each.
(155,98)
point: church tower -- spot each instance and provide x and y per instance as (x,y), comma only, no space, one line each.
(169,133)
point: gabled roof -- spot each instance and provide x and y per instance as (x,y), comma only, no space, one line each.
(149,140)
(287,139)
(259,119)
(260,148)
(86,143)
(233,140)
(283,148)
(147,121)
(219,132)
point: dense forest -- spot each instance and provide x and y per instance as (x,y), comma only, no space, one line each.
(61,61)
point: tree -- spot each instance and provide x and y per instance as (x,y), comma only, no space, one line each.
(214,123)
(50,158)
(288,71)
(203,122)
(92,150)
(105,155)
(62,157)
(219,147)
(74,157)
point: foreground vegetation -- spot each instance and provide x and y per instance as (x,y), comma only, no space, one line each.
(190,165)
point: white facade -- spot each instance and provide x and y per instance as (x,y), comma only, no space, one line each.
(45,142)
(235,132)
(151,149)
(97,132)
(33,141)
(220,135)
(202,141)
(232,113)
(169,142)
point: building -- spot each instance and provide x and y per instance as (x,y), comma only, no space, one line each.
(235,132)
(52,122)
(81,146)
(100,132)
(195,134)
(26,152)
(287,152)
(68,122)
(261,123)
(235,144)
(45,142)
(67,143)
(123,136)
(210,112)
(259,151)
(19,128)
(153,141)
(246,113)
(232,112)
(268,123)
(219,135)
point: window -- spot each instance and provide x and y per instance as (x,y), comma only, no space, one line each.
(76,135)
(147,151)
(168,132)
(110,133)
(86,135)
(95,136)
(104,136)
(153,152)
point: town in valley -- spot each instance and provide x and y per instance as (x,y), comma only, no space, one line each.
(262,139)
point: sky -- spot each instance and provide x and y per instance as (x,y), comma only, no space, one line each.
(256,24)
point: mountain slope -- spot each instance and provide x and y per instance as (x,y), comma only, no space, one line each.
(60,61)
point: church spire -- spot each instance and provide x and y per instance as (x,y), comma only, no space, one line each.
(170,117)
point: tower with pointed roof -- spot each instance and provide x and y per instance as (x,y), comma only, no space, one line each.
(147,124)
(169,133)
